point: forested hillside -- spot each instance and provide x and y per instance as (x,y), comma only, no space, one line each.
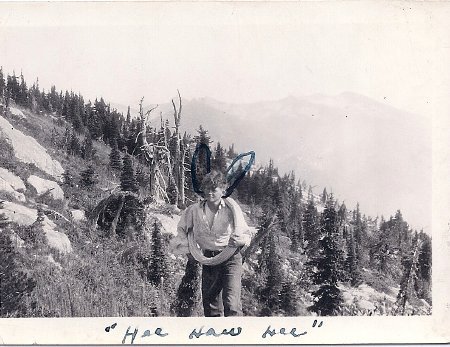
(91,197)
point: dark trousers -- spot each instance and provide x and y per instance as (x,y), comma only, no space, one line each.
(221,287)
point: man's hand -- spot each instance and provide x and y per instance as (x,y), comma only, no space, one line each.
(238,240)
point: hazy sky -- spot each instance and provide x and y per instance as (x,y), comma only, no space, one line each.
(234,52)
(394,52)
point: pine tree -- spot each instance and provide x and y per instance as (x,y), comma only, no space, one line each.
(74,145)
(66,107)
(87,148)
(66,139)
(67,178)
(311,228)
(424,266)
(295,217)
(342,215)
(402,233)
(360,236)
(22,98)
(271,294)
(4,221)
(188,294)
(289,299)
(15,285)
(158,262)
(128,120)
(324,195)
(219,161)
(231,153)
(2,86)
(328,297)
(351,262)
(115,160)
(407,291)
(87,177)
(36,235)
(202,138)
(127,178)
(12,89)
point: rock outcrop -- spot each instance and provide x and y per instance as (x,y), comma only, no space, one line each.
(28,150)
(42,186)
(12,184)
(26,216)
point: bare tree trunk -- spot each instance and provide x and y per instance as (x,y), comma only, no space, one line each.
(179,153)
(170,168)
(182,179)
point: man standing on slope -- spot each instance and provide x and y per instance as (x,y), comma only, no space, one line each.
(217,226)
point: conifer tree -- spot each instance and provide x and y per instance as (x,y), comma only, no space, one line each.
(289,299)
(2,85)
(4,221)
(158,261)
(342,214)
(188,294)
(66,138)
(311,227)
(74,145)
(351,262)
(231,153)
(12,89)
(324,195)
(219,161)
(67,178)
(128,120)
(328,297)
(76,111)
(401,232)
(66,107)
(22,98)
(53,99)
(424,266)
(15,285)
(36,235)
(87,177)
(128,178)
(360,236)
(410,271)
(202,137)
(115,160)
(87,148)
(273,286)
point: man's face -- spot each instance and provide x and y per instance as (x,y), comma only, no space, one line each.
(213,194)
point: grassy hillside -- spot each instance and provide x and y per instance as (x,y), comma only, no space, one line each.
(109,273)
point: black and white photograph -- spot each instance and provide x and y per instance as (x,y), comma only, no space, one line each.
(274,162)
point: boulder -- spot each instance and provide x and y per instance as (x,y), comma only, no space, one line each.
(16,112)
(78,215)
(26,216)
(28,150)
(19,214)
(10,183)
(14,181)
(56,239)
(42,186)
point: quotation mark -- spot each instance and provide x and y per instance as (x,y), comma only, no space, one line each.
(315,323)
(107,329)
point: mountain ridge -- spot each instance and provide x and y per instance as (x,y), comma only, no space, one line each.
(366,151)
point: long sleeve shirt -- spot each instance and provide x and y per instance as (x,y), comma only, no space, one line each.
(211,230)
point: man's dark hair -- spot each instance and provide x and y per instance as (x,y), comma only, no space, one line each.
(214,179)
